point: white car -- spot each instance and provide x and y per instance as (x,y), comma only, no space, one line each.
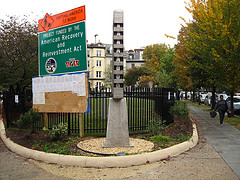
(236,103)
(207,100)
(202,97)
(237,94)
(225,96)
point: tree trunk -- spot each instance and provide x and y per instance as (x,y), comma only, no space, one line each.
(213,99)
(231,113)
(193,96)
(199,101)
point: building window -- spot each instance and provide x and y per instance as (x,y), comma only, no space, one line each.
(98,74)
(88,53)
(99,53)
(99,63)
(88,64)
(99,84)
(131,56)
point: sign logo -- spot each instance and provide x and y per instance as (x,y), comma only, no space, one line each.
(47,22)
(51,65)
(72,63)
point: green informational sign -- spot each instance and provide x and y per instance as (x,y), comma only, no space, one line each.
(63,50)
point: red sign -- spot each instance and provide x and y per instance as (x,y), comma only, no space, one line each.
(72,63)
(62,19)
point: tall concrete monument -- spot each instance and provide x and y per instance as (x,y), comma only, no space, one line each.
(117,59)
(117,127)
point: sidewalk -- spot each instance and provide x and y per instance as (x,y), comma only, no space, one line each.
(225,140)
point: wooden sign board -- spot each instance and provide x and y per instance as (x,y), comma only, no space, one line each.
(60,101)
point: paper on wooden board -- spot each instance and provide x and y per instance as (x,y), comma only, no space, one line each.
(69,82)
(39,98)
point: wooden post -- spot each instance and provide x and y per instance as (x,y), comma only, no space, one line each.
(81,124)
(45,120)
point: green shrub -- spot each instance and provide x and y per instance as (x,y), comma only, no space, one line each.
(183,138)
(140,137)
(57,131)
(179,109)
(38,143)
(56,147)
(155,126)
(28,119)
(161,140)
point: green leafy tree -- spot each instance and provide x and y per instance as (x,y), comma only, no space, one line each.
(18,53)
(158,58)
(212,43)
(108,77)
(133,75)
(180,61)
(191,67)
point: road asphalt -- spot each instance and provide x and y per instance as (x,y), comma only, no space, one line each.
(216,156)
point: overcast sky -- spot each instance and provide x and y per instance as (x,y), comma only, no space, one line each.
(145,22)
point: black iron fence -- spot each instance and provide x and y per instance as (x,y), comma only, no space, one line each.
(14,105)
(143,105)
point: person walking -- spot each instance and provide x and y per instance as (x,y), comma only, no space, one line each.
(222,109)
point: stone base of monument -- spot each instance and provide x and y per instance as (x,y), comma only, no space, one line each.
(117,127)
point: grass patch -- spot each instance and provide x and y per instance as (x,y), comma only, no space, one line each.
(202,106)
(166,141)
(58,147)
(233,121)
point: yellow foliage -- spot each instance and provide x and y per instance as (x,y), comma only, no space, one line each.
(213,32)
(145,80)
(168,36)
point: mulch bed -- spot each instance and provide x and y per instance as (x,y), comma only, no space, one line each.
(29,139)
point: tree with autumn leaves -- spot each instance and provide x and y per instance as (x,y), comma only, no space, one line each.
(158,68)
(138,75)
(209,46)
(158,59)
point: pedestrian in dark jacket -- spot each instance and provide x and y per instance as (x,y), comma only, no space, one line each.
(222,108)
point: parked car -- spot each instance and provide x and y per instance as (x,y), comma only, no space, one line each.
(225,96)
(202,97)
(207,100)
(237,94)
(236,104)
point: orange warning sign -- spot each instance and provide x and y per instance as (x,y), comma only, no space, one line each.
(47,22)
(62,19)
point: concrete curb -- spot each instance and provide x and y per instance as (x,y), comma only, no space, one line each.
(100,162)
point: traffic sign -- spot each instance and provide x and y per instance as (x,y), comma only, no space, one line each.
(62,19)
(62,43)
